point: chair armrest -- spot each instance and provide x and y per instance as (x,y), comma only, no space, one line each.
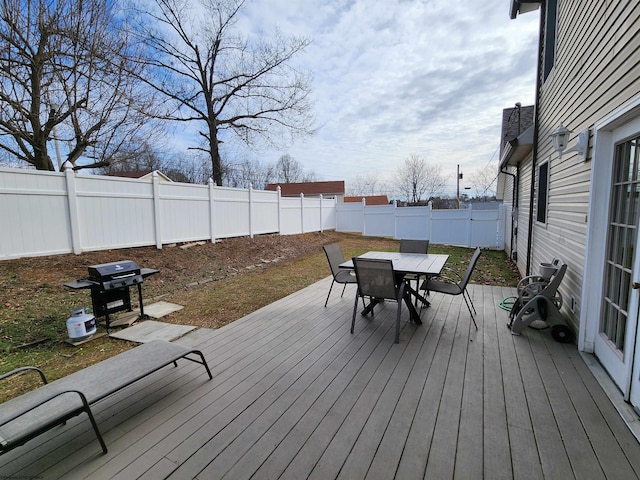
(71,410)
(446,277)
(24,369)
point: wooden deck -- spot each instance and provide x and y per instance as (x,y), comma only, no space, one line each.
(295,395)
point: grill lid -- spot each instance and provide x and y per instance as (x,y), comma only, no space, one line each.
(113,269)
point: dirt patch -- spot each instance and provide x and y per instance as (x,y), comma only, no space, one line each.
(33,295)
(209,279)
(179,264)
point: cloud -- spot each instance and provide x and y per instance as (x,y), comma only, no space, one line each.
(405,76)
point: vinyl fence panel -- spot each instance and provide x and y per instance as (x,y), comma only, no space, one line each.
(311,214)
(413,223)
(184,209)
(329,217)
(350,217)
(45,213)
(114,212)
(465,227)
(231,212)
(290,217)
(450,227)
(487,228)
(264,212)
(33,213)
(379,221)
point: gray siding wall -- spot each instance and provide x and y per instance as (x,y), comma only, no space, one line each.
(523,213)
(597,69)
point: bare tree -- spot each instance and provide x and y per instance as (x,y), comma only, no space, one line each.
(289,170)
(484,180)
(64,78)
(368,184)
(249,172)
(154,154)
(140,157)
(212,75)
(416,180)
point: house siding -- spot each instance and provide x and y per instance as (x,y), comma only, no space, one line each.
(596,71)
(524,214)
(505,194)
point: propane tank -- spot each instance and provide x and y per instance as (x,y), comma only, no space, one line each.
(81,325)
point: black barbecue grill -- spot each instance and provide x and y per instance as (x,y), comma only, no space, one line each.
(110,284)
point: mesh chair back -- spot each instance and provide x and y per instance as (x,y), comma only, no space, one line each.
(414,246)
(472,265)
(376,278)
(334,256)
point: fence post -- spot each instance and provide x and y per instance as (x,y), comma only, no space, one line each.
(321,221)
(279,211)
(157,214)
(302,212)
(500,228)
(395,219)
(72,202)
(430,220)
(212,210)
(470,225)
(364,217)
(250,210)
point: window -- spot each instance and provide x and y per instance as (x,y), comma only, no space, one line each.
(550,26)
(543,192)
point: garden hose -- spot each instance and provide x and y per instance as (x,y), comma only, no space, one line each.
(507,303)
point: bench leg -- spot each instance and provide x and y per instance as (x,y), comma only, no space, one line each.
(87,409)
(202,361)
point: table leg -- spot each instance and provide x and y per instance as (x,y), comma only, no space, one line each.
(142,314)
(369,308)
(415,316)
(418,296)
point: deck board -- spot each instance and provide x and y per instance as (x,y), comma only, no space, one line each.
(295,395)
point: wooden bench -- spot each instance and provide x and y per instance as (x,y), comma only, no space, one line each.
(25,417)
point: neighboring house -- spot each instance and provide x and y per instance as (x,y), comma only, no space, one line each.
(584,207)
(481,205)
(516,144)
(141,174)
(310,189)
(369,199)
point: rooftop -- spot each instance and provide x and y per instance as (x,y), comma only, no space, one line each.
(309,188)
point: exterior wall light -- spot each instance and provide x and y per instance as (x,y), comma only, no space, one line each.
(560,138)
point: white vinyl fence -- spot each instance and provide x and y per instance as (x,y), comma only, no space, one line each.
(47,213)
(466,227)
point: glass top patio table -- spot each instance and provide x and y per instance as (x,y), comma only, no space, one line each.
(415,263)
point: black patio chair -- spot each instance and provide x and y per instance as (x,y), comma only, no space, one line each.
(414,246)
(449,286)
(335,257)
(378,281)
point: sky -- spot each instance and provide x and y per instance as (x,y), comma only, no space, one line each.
(400,77)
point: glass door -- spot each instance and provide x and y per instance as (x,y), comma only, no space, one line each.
(618,318)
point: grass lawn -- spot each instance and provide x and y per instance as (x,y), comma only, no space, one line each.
(33,315)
